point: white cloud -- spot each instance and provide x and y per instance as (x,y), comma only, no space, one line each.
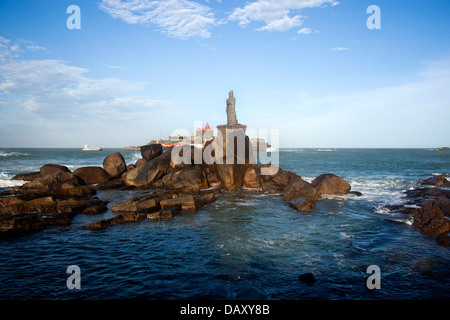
(275,14)
(305,31)
(340,49)
(177,18)
(53,89)
(283,24)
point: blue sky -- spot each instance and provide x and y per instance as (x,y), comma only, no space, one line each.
(140,69)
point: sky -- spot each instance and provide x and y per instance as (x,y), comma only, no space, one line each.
(305,73)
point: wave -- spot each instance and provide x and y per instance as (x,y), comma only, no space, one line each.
(12,154)
(4,183)
(325,150)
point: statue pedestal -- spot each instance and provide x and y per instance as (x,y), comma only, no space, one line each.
(225,129)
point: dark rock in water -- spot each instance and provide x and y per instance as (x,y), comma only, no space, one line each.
(356,193)
(186,202)
(91,175)
(151,151)
(167,213)
(439,181)
(307,278)
(275,179)
(27,176)
(204,199)
(85,206)
(20,225)
(430,218)
(302,204)
(15,206)
(114,164)
(52,168)
(299,188)
(331,184)
(122,218)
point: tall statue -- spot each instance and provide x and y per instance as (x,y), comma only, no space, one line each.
(231,112)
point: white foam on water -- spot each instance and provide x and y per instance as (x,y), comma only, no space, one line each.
(12,154)
(11,183)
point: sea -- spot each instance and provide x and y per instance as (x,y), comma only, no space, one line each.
(246,245)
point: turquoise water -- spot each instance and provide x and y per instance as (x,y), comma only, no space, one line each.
(245,245)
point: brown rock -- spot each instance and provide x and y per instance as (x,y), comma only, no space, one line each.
(52,168)
(20,225)
(330,184)
(15,206)
(114,164)
(430,220)
(167,213)
(252,177)
(27,176)
(302,204)
(204,199)
(189,181)
(91,175)
(139,163)
(146,203)
(439,181)
(122,218)
(186,202)
(298,188)
(151,151)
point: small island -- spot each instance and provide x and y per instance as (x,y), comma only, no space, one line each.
(166,186)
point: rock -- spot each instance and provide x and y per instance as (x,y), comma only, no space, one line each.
(139,163)
(151,151)
(231,175)
(307,278)
(188,181)
(89,206)
(109,185)
(114,164)
(302,204)
(167,213)
(439,181)
(252,177)
(186,202)
(15,206)
(59,184)
(356,193)
(430,218)
(52,168)
(122,218)
(204,199)
(27,176)
(146,203)
(298,188)
(212,178)
(91,175)
(57,219)
(20,225)
(130,167)
(330,184)
(139,177)
(277,181)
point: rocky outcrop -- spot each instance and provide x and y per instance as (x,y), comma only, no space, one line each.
(429,206)
(151,151)
(91,175)
(114,164)
(330,184)
(119,219)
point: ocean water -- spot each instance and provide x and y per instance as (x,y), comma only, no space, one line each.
(246,245)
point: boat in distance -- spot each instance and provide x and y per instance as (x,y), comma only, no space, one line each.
(87,148)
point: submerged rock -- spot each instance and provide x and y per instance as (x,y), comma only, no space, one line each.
(121,218)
